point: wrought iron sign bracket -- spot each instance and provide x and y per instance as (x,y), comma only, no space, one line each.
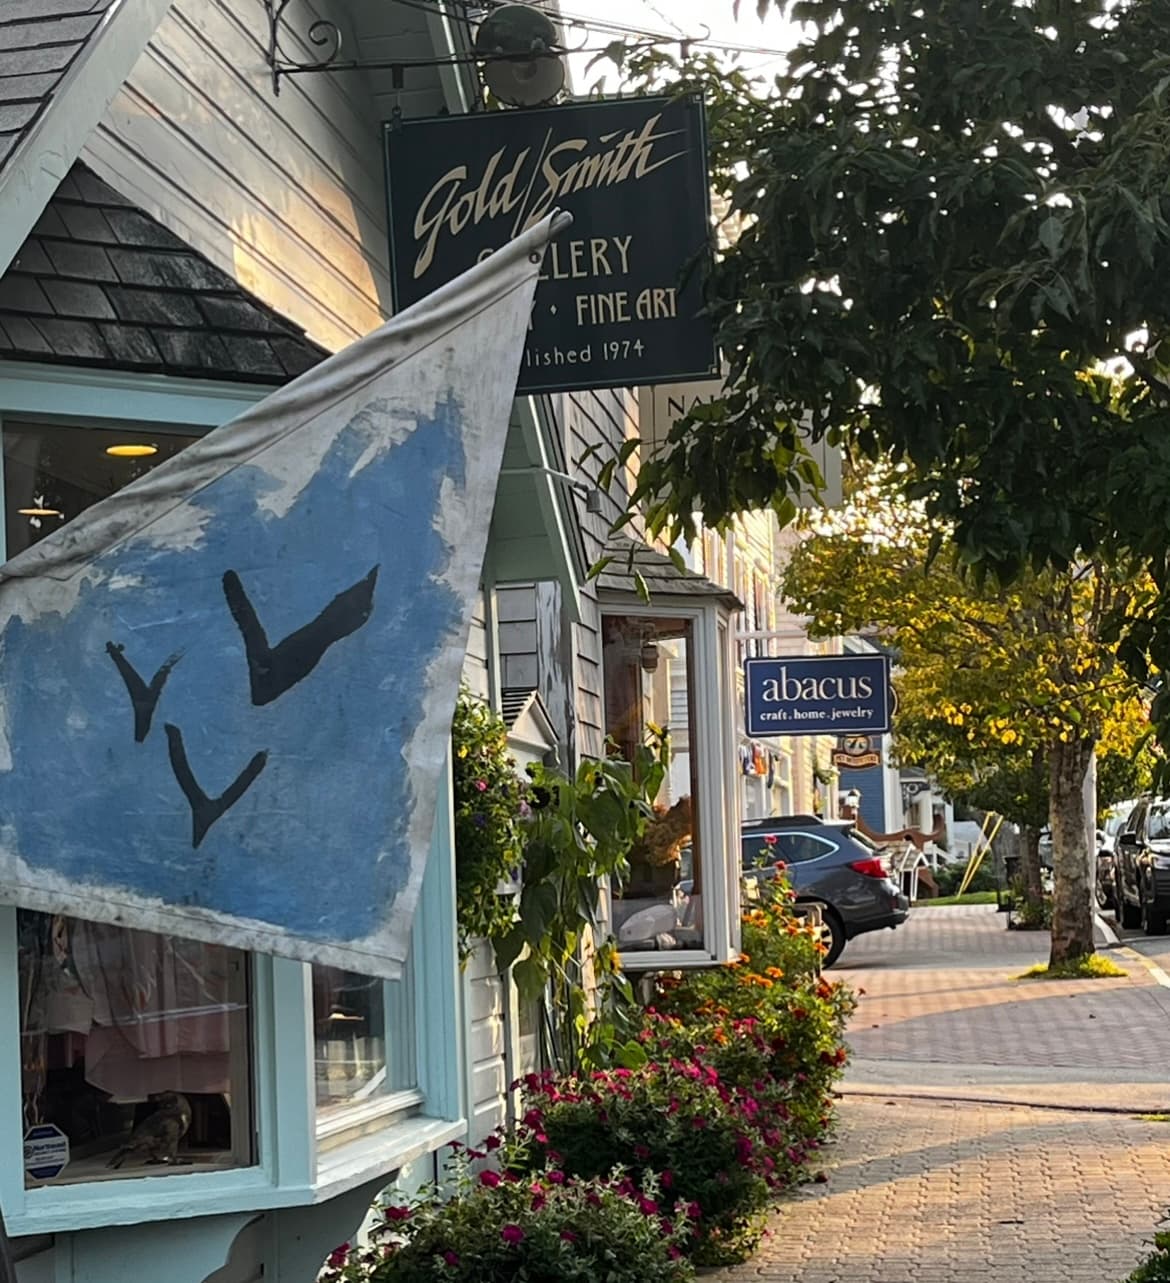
(326,36)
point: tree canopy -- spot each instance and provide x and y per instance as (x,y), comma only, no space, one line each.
(996,687)
(950,246)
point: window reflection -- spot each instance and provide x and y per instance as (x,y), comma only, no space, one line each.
(649,682)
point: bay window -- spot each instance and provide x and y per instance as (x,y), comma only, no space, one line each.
(667,667)
(238,1078)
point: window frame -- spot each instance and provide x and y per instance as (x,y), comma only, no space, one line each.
(288,1170)
(714,753)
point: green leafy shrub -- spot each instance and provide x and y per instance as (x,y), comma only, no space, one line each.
(542,1229)
(774,989)
(675,1124)
(489,804)
(1155,1268)
(949,877)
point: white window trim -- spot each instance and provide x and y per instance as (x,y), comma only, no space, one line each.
(287,1172)
(713,751)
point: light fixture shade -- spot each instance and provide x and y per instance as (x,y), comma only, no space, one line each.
(515,41)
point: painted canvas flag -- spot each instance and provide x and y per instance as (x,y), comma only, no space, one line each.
(226,691)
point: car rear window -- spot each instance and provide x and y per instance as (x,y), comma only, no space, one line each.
(790,847)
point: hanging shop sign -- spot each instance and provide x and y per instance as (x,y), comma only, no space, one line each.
(214,686)
(619,298)
(854,752)
(819,695)
(660,407)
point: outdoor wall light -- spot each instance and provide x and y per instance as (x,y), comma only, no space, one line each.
(648,655)
(853,800)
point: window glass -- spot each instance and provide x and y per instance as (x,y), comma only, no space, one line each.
(134,1051)
(797,848)
(134,1046)
(649,682)
(1158,823)
(52,473)
(356,1061)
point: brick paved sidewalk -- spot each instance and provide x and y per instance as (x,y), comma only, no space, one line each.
(946,1193)
(954,1190)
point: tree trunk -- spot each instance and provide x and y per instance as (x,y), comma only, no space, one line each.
(1030,867)
(1072,861)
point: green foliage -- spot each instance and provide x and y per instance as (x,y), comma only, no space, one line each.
(968,897)
(950,232)
(544,1230)
(950,877)
(489,803)
(1156,1267)
(580,830)
(665,1119)
(774,985)
(1029,915)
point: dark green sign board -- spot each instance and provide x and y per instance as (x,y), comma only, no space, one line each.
(619,300)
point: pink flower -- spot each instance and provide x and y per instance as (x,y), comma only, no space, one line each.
(490,1179)
(492,1142)
(512,1234)
(338,1256)
(398,1213)
(452,1258)
(694,1211)
(648,1206)
(555,1177)
(770,839)
(673,1252)
(533,1118)
(481,785)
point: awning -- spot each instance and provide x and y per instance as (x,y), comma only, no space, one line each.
(226,692)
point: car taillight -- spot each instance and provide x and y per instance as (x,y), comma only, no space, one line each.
(871,868)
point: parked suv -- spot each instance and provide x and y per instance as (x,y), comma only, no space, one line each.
(1141,867)
(830,864)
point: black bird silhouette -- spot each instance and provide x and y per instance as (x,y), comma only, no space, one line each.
(206,810)
(143,698)
(157,1137)
(274,669)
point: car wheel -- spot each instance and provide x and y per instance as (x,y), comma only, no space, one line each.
(1131,915)
(1153,917)
(834,936)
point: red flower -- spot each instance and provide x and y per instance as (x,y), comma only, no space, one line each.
(648,1206)
(398,1213)
(338,1256)
(667,1179)
(452,1258)
(567,1236)
(770,839)
(641,1152)
(512,1234)
(694,1211)
(555,1177)
(490,1179)
(492,1142)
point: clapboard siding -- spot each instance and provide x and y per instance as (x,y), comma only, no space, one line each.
(476,673)
(285,193)
(595,426)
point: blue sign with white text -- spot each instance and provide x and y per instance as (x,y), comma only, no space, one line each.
(821,695)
